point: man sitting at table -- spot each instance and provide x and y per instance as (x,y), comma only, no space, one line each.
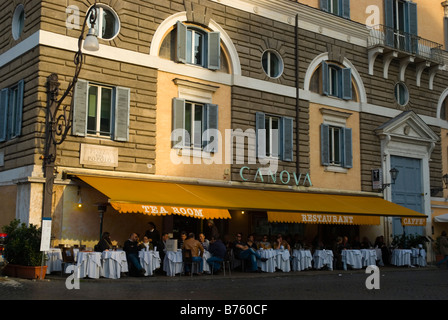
(195,246)
(218,251)
(243,252)
(131,248)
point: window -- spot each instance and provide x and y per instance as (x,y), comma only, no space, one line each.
(336,146)
(197,46)
(272,63)
(337,7)
(11,108)
(18,21)
(274,136)
(193,125)
(401,25)
(401,94)
(101,111)
(107,24)
(336,81)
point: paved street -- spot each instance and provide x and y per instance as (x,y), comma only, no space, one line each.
(395,284)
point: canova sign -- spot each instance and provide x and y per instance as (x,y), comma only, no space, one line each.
(284,177)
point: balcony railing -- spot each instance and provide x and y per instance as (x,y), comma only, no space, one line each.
(382,36)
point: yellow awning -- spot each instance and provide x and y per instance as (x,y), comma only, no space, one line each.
(320,218)
(126,192)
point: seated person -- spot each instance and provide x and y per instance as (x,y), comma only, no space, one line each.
(218,251)
(243,252)
(104,244)
(251,242)
(146,245)
(131,248)
(280,243)
(196,250)
(264,243)
(205,243)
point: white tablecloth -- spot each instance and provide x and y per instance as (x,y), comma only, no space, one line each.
(54,262)
(301,260)
(205,265)
(150,261)
(88,264)
(270,264)
(352,258)
(323,258)
(401,257)
(418,257)
(113,264)
(282,260)
(369,257)
(172,264)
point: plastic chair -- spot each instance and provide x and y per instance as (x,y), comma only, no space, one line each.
(187,260)
(68,258)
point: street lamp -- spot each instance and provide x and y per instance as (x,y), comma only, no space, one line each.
(58,126)
(393,175)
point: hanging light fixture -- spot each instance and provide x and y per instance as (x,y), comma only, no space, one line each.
(79,204)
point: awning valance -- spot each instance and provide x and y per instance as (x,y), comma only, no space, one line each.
(123,193)
(319,218)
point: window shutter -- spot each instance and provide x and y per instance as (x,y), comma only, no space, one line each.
(325,79)
(214,51)
(287,139)
(324,5)
(389,22)
(178,125)
(261,134)
(445,21)
(347,148)
(324,144)
(346,75)
(79,127)
(211,127)
(122,109)
(181,42)
(18,110)
(413,26)
(4,95)
(345,9)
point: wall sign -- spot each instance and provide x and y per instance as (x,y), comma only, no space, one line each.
(284,177)
(98,155)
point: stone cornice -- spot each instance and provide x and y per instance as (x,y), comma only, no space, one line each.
(310,18)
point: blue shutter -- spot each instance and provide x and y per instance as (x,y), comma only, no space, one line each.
(324,144)
(325,79)
(346,81)
(347,148)
(261,134)
(345,9)
(389,22)
(122,109)
(211,127)
(214,51)
(413,26)
(4,95)
(179,125)
(79,127)
(324,5)
(287,139)
(17,109)
(181,42)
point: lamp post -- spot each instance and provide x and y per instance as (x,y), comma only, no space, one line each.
(58,124)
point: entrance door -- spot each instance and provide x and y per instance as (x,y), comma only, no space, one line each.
(407,191)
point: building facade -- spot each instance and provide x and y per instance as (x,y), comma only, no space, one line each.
(226,107)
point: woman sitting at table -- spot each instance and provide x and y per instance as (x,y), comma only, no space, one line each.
(265,243)
(281,244)
(104,244)
(145,245)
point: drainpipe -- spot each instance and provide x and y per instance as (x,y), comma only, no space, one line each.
(297,92)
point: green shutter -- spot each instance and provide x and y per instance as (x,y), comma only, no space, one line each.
(79,127)
(389,22)
(287,138)
(181,42)
(122,110)
(325,79)
(324,5)
(214,51)
(261,134)
(178,135)
(346,81)
(4,95)
(18,110)
(413,26)
(324,144)
(211,127)
(347,148)
(345,9)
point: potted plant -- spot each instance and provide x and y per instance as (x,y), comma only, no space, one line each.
(22,251)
